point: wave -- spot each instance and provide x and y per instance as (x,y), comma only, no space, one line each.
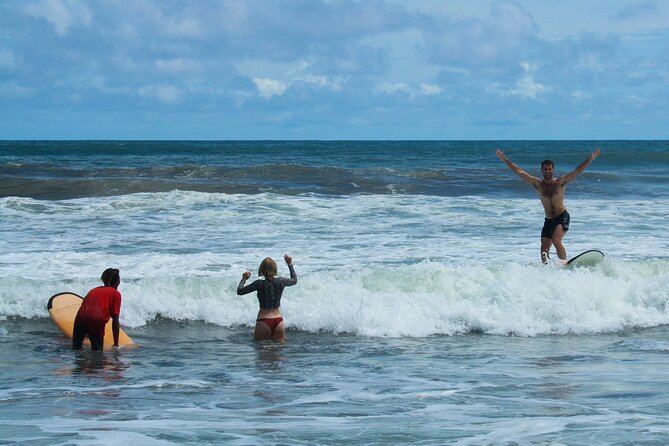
(286,179)
(160,229)
(420,300)
(298,179)
(53,170)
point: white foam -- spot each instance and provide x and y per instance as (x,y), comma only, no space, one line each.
(417,300)
(371,265)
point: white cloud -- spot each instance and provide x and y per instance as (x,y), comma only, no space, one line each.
(61,14)
(179,65)
(302,73)
(394,88)
(210,55)
(185,27)
(637,10)
(591,62)
(525,86)
(579,95)
(424,89)
(430,90)
(330,82)
(166,94)
(269,88)
(503,37)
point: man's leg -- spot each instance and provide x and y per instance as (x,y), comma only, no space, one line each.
(97,341)
(557,242)
(545,249)
(78,337)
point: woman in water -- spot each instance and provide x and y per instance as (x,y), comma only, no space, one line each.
(269,323)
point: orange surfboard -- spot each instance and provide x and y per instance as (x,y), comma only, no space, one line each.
(63,308)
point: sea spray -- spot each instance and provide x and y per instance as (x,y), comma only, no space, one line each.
(418,300)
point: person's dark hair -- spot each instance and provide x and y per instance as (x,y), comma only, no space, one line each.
(547,162)
(111,277)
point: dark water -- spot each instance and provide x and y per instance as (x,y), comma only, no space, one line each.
(71,169)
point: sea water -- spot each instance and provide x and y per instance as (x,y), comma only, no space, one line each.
(422,314)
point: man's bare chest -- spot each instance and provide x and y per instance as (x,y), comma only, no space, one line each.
(550,190)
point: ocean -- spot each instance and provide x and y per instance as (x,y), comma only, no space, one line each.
(422,313)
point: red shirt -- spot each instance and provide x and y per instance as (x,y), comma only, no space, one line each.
(100,304)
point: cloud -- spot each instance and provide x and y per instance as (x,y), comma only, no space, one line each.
(430,90)
(637,10)
(188,27)
(333,83)
(269,88)
(506,35)
(12,89)
(308,21)
(525,86)
(61,14)
(300,75)
(179,65)
(584,61)
(320,60)
(393,88)
(400,88)
(165,94)
(579,95)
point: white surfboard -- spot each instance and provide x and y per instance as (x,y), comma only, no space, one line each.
(588,258)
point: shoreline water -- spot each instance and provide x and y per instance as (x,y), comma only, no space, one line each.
(213,385)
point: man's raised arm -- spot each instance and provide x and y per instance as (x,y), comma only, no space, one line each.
(517,170)
(580,168)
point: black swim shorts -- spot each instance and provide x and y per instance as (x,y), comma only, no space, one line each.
(551,223)
(81,331)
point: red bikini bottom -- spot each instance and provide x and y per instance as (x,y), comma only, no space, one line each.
(271,322)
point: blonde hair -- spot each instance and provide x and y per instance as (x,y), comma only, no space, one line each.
(267,268)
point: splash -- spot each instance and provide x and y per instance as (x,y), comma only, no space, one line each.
(419,300)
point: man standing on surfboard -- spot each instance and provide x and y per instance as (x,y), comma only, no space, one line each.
(551,193)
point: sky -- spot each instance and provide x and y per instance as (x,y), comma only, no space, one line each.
(334,69)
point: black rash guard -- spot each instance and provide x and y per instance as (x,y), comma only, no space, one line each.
(269,290)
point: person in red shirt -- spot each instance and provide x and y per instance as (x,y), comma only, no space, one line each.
(99,305)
